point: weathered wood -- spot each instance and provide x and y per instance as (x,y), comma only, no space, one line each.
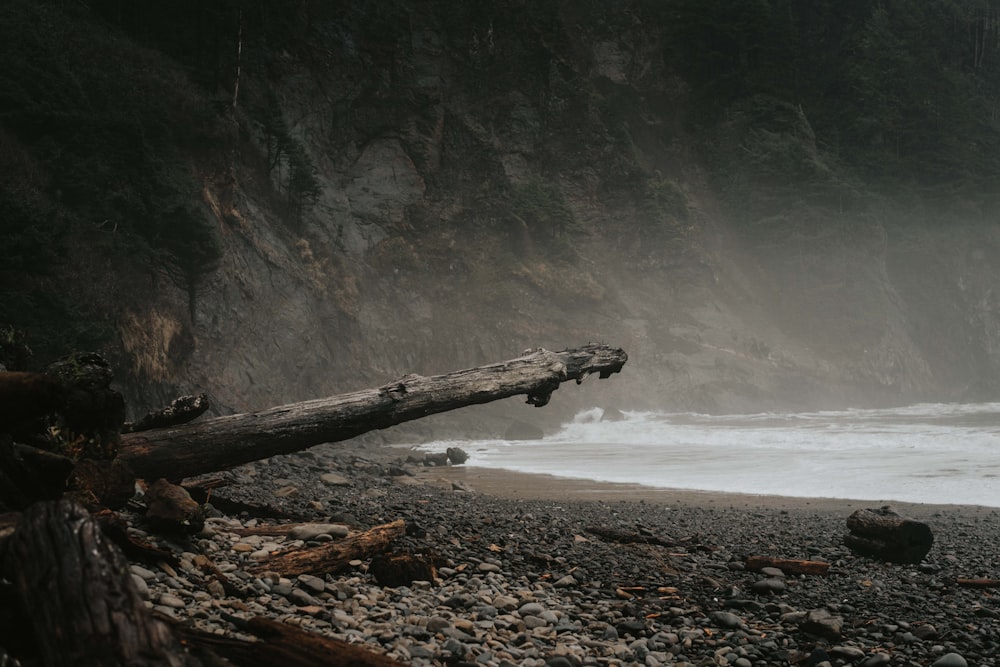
(786,565)
(75,589)
(224,442)
(885,535)
(283,645)
(180,411)
(333,556)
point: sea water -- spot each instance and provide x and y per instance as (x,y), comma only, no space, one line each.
(928,453)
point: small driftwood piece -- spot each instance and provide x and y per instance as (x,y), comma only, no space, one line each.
(334,556)
(885,535)
(217,444)
(282,645)
(786,565)
(76,595)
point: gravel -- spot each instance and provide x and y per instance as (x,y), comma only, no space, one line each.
(523,582)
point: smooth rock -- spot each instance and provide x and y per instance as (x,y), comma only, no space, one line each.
(950,660)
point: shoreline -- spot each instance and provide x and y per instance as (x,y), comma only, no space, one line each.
(515,485)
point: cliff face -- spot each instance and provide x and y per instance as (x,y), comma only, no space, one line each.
(425,189)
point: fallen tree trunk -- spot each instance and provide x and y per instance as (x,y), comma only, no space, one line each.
(332,557)
(224,442)
(885,535)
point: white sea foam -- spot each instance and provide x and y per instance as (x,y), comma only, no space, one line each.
(928,453)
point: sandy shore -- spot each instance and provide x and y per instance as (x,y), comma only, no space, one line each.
(526,486)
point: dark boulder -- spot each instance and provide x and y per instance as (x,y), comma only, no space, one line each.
(457,455)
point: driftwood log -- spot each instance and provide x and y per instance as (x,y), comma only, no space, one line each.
(72,601)
(332,557)
(885,535)
(224,442)
(66,594)
(786,565)
(282,645)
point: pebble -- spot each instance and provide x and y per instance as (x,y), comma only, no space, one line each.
(310,531)
(950,660)
(516,586)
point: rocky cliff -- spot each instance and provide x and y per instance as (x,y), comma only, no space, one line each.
(416,189)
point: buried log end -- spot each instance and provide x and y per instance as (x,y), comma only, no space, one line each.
(885,535)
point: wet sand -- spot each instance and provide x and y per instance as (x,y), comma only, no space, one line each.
(526,486)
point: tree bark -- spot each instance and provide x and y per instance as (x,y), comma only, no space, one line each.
(282,645)
(788,566)
(885,535)
(224,442)
(333,556)
(180,411)
(76,593)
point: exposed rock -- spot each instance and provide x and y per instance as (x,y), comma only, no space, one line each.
(457,455)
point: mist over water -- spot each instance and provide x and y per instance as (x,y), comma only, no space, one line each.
(928,453)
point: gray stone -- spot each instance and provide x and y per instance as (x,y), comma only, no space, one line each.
(950,660)
(768,587)
(334,479)
(140,586)
(851,653)
(530,609)
(725,619)
(457,455)
(301,598)
(822,623)
(310,531)
(877,659)
(171,601)
(313,583)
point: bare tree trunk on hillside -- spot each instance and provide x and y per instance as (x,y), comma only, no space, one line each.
(224,442)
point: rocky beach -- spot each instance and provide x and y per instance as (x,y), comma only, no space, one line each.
(527,572)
